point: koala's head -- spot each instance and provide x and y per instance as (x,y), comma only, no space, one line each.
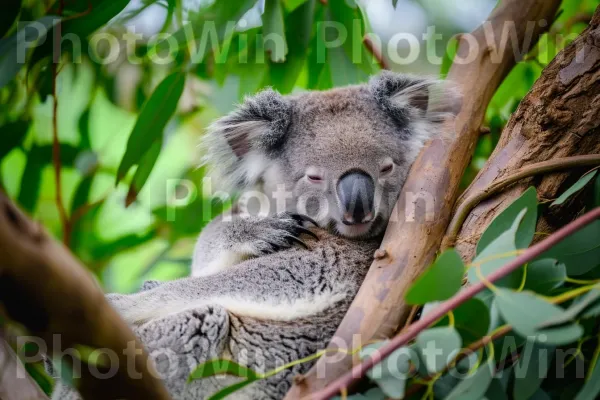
(340,156)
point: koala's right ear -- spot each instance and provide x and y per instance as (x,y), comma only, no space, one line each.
(238,146)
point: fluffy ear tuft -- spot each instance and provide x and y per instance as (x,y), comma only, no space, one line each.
(420,106)
(406,97)
(237,147)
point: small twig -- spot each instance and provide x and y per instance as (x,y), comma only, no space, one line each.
(463,210)
(360,370)
(376,52)
(56,143)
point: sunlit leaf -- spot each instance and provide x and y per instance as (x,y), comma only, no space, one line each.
(440,281)
(291,5)
(145,167)
(274,30)
(526,312)
(283,76)
(222,367)
(152,120)
(92,356)
(577,186)
(40,376)
(449,55)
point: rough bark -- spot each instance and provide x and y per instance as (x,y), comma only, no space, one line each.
(410,244)
(43,287)
(558,118)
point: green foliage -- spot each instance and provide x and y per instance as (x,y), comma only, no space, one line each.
(577,186)
(140,129)
(549,312)
(440,281)
(222,367)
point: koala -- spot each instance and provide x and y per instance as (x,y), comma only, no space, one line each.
(319,174)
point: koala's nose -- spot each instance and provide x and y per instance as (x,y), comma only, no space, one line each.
(356,191)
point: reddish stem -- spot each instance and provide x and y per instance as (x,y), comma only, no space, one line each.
(412,331)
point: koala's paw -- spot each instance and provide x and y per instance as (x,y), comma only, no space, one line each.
(282,231)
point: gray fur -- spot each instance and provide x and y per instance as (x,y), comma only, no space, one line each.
(257,296)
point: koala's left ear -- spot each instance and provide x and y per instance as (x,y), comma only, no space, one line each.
(238,145)
(408,98)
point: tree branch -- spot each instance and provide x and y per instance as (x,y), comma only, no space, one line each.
(558,119)
(411,244)
(37,277)
(543,167)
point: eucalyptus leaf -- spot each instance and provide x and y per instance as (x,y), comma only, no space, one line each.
(591,388)
(580,252)
(525,312)
(221,394)
(283,76)
(505,221)
(274,30)
(81,26)
(371,394)
(392,372)
(442,280)
(13,135)
(593,310)
(496,391)
(142,174)
(13,49)
(472,320)
(571,313)
(438,346)
(152,120)
(531,369)
(222,367)
(577,186)
(499,252)
(474,386)
(545,275)
(220,17)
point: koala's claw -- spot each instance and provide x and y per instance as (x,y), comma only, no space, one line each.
(294,239)
(303,218)
(302,229)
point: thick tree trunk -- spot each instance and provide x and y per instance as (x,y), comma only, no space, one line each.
(43,287)
(411,242)
(558,118)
